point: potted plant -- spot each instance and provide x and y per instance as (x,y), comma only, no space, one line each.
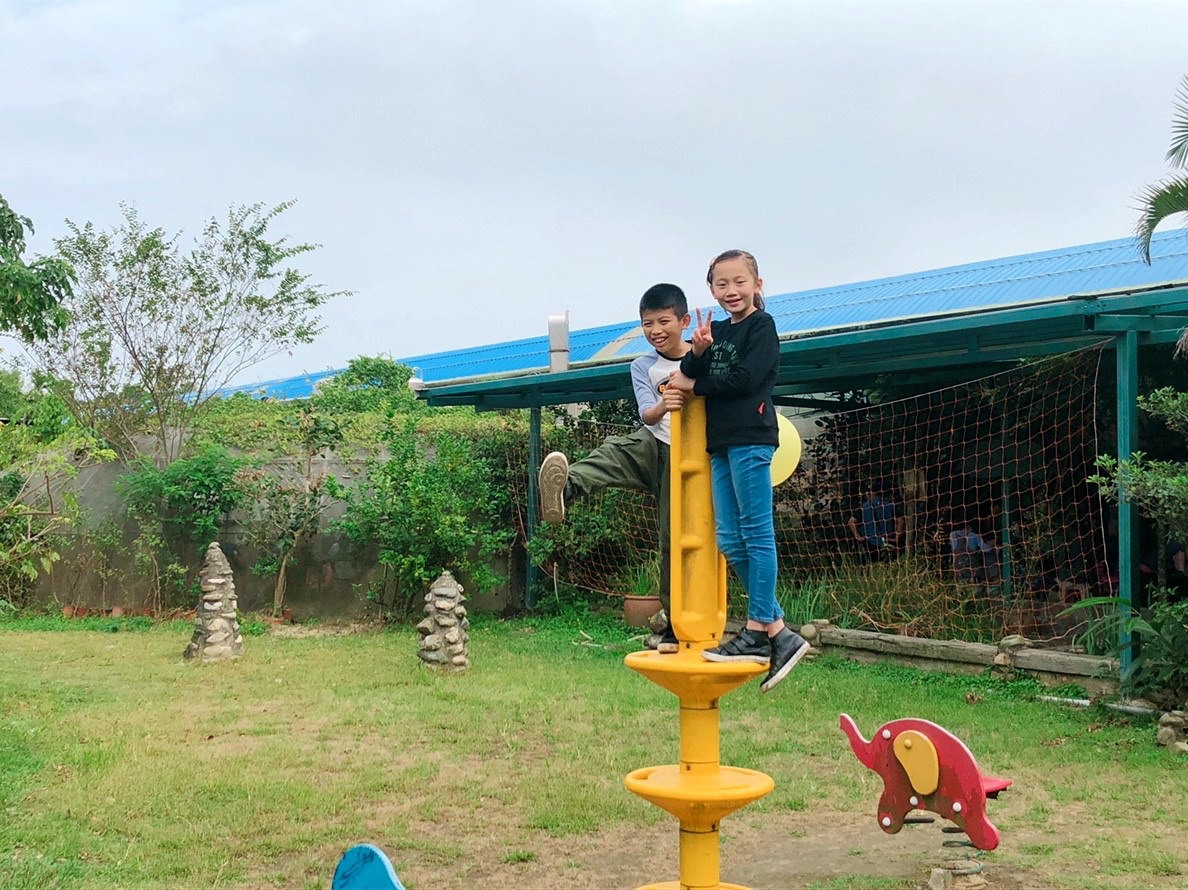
(644,599)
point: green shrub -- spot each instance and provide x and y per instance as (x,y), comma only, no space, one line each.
(1156,638)
(429,505)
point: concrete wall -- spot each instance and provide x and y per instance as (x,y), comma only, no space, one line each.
(327,578)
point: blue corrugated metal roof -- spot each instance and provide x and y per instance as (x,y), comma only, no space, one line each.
(1103,267)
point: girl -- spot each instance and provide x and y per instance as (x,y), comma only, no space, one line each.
(733,364)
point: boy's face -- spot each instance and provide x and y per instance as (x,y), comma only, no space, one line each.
(663,328)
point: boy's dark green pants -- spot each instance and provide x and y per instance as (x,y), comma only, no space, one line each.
(638,462)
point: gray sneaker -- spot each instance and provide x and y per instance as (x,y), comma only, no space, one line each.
(749,645)
(787,648)
(554,473)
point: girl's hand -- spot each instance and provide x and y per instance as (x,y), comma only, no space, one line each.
(702,338)
(679,382)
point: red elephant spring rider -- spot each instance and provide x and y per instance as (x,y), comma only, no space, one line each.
(926,767)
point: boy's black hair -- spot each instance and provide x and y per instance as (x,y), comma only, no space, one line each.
(664,296)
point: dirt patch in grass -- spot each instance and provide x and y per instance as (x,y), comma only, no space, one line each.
(323,629)
(782,851)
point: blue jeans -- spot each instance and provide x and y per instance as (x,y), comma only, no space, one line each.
(741,482)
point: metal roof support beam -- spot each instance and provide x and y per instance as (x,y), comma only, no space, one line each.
(533,499)
(1119,323)
(1127,377)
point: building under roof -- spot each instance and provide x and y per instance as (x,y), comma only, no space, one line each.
(976,316)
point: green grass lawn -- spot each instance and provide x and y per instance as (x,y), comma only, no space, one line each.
(123,767)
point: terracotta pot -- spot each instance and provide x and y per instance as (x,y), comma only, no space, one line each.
(118,611)
(638,609)
(81,611)
(68,611)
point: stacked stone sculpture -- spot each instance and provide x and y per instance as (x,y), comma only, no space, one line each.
(216,622)
(443,630)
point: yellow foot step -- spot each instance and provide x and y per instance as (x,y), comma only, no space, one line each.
(677,885)
(699,800)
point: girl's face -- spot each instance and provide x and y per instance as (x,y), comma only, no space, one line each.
(734,287)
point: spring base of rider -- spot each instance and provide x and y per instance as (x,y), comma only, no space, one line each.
(972,863)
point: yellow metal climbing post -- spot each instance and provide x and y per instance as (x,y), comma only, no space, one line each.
(698,790)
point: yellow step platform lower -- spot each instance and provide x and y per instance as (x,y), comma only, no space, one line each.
(699,799)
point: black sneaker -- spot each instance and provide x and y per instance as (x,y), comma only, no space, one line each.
(554,473)
(749,645)
(668,641)
(787,648)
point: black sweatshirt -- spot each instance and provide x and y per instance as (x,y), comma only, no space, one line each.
(736,376)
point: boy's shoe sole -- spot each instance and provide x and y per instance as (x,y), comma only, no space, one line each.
(746,647)
(777,673)
(554,473)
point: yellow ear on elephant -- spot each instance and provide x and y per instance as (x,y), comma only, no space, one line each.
(917,754)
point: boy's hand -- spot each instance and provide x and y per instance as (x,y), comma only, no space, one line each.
(674,399)
(678,383)
(702,338)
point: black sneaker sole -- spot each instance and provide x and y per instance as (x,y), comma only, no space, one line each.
(554,473)
(786,668)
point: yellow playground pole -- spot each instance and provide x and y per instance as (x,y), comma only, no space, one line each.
(699,791)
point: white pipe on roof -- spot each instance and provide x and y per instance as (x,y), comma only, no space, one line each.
(559,342)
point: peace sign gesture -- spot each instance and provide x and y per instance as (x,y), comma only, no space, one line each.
(703,339)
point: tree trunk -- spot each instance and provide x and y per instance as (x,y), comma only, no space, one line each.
(278,592)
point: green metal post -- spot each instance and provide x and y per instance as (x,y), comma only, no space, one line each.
(533,500)
(1126,356)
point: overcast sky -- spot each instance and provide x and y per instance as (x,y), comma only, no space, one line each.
(471,167)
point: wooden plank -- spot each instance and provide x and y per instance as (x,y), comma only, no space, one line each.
(1066,663)
(864,645)
(909,647)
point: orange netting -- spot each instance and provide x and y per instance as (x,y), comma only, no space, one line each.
(963,512)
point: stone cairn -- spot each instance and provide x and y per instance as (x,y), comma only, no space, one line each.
(1173,731)
(443,630)
(216,623)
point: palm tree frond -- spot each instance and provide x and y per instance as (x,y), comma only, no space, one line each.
(1178,153)
(1159,201)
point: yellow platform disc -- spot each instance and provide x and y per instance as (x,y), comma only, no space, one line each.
(787,455)
(699,800)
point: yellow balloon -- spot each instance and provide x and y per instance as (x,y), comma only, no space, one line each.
(787,454)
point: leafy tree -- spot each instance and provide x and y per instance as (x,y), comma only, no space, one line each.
(1159,488)
(155,330)
(35,506)
(1169,196)
(283,512)
(33,294)
(369,384)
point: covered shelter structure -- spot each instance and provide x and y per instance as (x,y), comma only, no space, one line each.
(922,327)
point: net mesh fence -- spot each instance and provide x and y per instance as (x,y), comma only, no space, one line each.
(960,513)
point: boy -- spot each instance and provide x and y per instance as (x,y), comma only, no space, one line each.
(639,461)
